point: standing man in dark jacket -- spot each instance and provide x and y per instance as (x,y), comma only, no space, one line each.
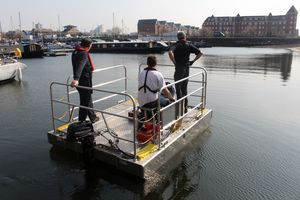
(83,68)
(179,54)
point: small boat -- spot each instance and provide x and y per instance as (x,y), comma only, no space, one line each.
(57,49)
(129,47)
(134,144)
(54,53)
(10,69)
(28,50)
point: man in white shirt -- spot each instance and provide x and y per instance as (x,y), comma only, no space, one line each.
(150,83)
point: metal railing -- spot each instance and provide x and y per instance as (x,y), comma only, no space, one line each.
(110,94)
(102,112)
(100,84)
(68,92)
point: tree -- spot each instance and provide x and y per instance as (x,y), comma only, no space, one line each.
(13,35)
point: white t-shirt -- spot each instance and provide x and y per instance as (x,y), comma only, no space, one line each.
(155,81)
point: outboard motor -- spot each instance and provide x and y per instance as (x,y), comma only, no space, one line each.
(83,132)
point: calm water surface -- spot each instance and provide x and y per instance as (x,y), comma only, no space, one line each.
(250,151)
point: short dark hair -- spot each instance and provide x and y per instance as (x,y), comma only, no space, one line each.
(181,35)
(151,61)
(86,42)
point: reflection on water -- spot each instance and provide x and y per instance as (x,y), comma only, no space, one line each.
(285,67)
(176,179)
(251,63)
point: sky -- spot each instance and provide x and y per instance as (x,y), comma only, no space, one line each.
(87,14)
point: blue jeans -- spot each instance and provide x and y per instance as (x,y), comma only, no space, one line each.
(164,101)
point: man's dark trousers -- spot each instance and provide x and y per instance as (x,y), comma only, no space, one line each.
(181,88)
(86,100)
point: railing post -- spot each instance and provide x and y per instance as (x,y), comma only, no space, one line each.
(134,131)
(158,121)
(52,108)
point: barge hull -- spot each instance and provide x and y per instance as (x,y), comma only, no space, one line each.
(143,168)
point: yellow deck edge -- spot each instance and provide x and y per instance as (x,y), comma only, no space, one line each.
(63,127)
(146,151)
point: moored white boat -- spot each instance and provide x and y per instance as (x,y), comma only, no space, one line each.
(11,69)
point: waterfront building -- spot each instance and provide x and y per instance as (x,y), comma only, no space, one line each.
(163,27)
(254,26)
(43,32)
(148,27)
(153,27)
(172,27)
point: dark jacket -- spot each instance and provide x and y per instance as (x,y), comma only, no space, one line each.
(82,68)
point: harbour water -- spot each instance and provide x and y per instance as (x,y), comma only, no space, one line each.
(251,150)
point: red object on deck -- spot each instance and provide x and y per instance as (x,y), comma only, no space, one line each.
(146,133)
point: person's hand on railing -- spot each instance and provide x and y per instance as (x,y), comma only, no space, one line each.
(74,83)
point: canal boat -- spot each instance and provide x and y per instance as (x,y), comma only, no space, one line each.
(28,50)
(129,47)
(10,69)
(116,138)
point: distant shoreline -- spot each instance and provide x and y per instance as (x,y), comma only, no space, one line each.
(295,49)
(292,47)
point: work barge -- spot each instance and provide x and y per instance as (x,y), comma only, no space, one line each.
(115,134)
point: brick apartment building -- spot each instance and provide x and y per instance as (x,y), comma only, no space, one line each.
(153,27)
(254,26)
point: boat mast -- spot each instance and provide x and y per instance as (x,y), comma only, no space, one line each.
(12,23)
(122,27)
(0,32)
(113,28)
(20,26)
(113,20)
(0,29)
(58,18)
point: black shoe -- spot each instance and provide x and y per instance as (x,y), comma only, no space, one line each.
(95,119)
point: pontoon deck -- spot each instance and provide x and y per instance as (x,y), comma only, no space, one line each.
(116,131)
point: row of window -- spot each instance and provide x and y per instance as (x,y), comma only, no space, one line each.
(249,23)
(248,18)
(247,27)
(258,33)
